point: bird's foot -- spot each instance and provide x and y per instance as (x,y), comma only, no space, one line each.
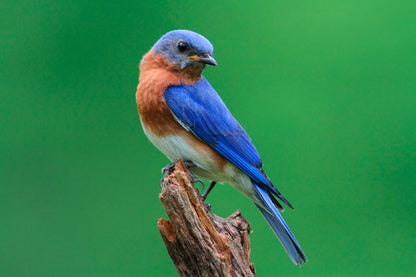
(194,179)
(168,169)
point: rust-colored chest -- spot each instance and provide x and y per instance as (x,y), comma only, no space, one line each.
(155,76)
(153,110)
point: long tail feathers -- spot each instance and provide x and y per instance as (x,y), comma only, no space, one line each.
(280,228)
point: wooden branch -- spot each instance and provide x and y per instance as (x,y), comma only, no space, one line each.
(199,242)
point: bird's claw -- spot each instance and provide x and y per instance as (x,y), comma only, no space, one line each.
(194,179)
(168,169)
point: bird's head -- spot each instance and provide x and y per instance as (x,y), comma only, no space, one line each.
(185,49)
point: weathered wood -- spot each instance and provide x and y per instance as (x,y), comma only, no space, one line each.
(199,242)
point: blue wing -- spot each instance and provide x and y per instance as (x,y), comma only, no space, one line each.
(202,111)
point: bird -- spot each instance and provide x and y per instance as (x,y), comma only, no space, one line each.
(185,118)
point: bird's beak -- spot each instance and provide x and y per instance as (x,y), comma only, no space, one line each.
(206,58)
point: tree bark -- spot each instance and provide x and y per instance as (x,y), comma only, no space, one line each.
(199,242)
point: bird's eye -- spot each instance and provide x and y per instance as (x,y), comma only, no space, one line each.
(182,46)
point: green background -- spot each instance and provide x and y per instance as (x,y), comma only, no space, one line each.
(326,90)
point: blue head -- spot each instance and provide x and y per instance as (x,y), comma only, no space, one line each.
(185,49)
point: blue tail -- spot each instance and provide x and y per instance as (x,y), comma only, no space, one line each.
(280,228)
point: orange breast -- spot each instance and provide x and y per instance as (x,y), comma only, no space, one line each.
(153,110)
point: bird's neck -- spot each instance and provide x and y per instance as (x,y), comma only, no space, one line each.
(152,62)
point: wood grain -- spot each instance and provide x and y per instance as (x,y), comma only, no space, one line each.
(199,242)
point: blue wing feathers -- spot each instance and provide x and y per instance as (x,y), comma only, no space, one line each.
(200,108)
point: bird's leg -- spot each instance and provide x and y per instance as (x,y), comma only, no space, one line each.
(211,186)
(168,169)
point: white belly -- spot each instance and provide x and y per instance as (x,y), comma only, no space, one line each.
(175,147)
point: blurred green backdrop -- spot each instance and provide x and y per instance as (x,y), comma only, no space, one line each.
(326,90)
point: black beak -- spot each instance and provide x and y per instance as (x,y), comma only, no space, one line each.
(207,59)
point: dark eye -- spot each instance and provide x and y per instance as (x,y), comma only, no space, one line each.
(182,46)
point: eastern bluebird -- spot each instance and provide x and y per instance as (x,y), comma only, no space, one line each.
(184,117)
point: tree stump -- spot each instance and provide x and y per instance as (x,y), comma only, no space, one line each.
(199,242)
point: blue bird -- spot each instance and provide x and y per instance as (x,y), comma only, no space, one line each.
(184,117)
